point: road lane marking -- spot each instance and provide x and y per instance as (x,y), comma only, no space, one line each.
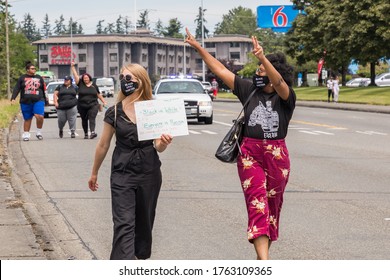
(308,132)
(323,132)
(318,124)
(222,123)
(371,132)
(387,219)
(194,132)
(209,132)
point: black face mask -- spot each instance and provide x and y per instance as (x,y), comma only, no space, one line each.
(128,87)
(260,81)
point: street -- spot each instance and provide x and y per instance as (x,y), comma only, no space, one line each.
(336,205)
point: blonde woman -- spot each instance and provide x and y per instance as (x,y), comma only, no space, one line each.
(135,169)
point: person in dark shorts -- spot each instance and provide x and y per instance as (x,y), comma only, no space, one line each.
(32,100)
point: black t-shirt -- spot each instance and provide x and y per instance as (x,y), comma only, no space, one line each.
(267,115)
(66,96)
(88,95)
(31,88)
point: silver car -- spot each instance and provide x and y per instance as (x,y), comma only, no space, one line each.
(49,106)
(197,102)
(383,80)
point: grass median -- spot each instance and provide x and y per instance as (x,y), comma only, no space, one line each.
(7,112)
(363,95)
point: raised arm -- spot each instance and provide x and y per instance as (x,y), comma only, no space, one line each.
(74,72)
(276,79)
(212,63)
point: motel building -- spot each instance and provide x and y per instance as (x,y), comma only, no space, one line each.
(103,55)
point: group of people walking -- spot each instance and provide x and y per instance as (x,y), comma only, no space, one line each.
(263,165)
(68,99)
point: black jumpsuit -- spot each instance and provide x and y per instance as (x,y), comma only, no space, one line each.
(135,186)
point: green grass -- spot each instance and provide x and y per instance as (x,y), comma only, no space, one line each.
(7,112)
(363,95)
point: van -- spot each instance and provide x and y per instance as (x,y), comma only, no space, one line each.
(47,76)
(106,86)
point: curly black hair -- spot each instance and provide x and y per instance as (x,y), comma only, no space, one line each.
(28,64)
(279,61)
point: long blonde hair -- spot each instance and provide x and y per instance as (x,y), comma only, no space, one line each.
(144,85)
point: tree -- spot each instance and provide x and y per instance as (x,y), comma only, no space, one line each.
(159,29)
(119,25)
(99,27)
(143,21)
(29,28)
(173,29)
(238,21)
(110,29)
(59,27)
(198,20)
(46,28)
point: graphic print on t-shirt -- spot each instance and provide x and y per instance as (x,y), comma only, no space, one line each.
(268,119)
(31,85)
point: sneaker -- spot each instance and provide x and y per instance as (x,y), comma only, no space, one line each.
(61,134)
(26,136)
(86,136)
(93,135)
(72,135)
(39,136)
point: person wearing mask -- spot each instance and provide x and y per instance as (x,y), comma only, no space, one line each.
(32,100)
(329,85)
(135,168)
(264,165)
(88,105)
(65,100)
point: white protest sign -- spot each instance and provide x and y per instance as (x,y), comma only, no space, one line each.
(156,117)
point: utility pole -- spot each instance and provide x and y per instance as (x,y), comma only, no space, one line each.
(203,66)
(7,51)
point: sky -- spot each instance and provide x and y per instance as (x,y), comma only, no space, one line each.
(89,12)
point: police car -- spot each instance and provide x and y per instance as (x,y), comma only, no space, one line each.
(197,102)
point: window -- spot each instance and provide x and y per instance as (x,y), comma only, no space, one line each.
(235,55)
(172,70)
(171,58)
(159,57)
(112,45)
(43,47)
(179,58)
(113,71)
(171,48)
(210,45)
(144,57)
(82,70)
(82,57)
(144,46)
(234,44)
(127,57)
(43,59)
(113,57)
(82,46)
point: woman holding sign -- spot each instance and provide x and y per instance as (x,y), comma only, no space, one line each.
(135,169)
(264,165)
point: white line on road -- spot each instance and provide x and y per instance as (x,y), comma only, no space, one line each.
(208,132)
(371,132)
(387,219)
(222,123)
(323,132)
(194,132)
(308,132)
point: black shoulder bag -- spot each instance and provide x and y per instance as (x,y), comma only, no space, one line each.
(230,146)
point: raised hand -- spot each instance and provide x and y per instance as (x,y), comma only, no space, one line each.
(257,48)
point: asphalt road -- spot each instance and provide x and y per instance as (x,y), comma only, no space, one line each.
(337,203)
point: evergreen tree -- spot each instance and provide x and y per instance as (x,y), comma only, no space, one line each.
(159,29)
(238,21)
(173,29)
(110,29)
(29,29)
(119,25)
(99,27)
(143,22)
(46,28)
(198,20)
(59,27)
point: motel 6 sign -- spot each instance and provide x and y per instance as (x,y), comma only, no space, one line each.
(278,18)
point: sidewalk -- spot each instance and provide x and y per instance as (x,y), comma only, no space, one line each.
(18,240)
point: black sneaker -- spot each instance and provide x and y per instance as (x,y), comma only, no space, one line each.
(93,135)
(86,136)
(61,134)
(72,135)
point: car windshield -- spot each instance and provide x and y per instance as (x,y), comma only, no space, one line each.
(180,87)
(104,82)
(51,88)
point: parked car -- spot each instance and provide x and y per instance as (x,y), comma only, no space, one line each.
(207,86)
(49,106)
(383,80)
(197,102)
(106,86)
(358,82)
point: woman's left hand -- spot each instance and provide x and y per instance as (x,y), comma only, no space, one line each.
(166,139)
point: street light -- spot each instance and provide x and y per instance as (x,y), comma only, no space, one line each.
(203,67)
(7,51)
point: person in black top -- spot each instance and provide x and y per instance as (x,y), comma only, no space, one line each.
(135,168)
(65,101)
(32,100)
(88,105)
(264,165)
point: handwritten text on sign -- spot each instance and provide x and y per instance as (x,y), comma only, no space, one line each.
(156,117)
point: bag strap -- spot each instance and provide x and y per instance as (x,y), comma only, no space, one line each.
(246,103)
(115,116)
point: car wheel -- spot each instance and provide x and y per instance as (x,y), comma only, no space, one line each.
(208,120)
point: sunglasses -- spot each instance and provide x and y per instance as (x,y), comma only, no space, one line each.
(126,77)
(32,68)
